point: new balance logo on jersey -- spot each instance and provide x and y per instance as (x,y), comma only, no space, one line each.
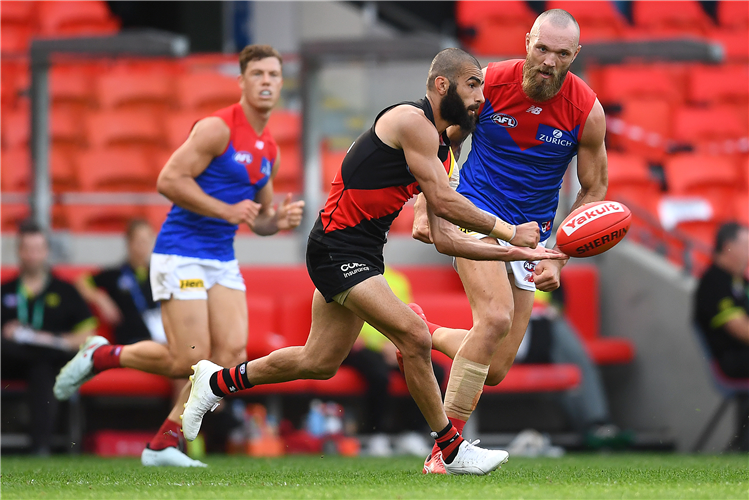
(535,110)
(506,121)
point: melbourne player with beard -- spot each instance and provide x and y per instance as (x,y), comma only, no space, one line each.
(536,118)
(404,152)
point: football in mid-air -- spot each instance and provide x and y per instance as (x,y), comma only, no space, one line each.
(593,228)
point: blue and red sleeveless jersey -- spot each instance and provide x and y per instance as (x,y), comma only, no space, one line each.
(237,174)
(521,148)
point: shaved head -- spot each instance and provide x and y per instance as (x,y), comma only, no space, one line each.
(559,19)
(450,63)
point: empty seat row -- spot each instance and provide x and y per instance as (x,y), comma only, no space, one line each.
(21,21)
(499,28)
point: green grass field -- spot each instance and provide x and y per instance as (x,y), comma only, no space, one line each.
(574,476)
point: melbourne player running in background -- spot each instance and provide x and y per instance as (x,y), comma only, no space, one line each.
(536,118)
(222,176)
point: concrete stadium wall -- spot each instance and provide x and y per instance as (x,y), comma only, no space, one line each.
(668,388)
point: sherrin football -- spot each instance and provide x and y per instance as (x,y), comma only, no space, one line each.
(593,228)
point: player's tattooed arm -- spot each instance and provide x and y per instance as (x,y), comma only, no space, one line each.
(208,139)
(270,219)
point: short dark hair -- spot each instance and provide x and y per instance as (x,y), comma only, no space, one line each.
(29,226)
(133,225)
(255,53)
(726,233)
(450,63)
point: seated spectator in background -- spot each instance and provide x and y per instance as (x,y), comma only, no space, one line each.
(721,312)
(550,338)
(373,356)
(122,294)
(44,322)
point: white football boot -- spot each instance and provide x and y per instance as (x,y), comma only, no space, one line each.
(79,369)
(201,398)
(168,457)
(475,461)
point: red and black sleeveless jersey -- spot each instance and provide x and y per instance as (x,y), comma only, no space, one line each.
(370,189)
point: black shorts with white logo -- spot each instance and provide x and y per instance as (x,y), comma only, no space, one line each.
(334,271)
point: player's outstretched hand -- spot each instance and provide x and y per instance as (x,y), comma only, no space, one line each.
(526,235)
(243,212)
(290,213)
(547,274)
(532,254)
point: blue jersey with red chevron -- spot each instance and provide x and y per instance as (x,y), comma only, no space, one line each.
(521,148)
(237,174)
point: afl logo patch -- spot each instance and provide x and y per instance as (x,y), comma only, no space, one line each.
(243,157)
(506,121)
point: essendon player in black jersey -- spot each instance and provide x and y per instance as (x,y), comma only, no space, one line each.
(405,152)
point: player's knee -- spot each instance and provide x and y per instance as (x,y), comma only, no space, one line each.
(418,343)
(497,322)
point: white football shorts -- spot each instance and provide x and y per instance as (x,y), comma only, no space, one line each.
(523,271)
(190,278)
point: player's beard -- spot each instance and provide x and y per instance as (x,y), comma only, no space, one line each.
(454,111)
(546,88)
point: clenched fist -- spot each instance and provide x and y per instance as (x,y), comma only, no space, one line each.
(243,212)
(526,235)
(290,213)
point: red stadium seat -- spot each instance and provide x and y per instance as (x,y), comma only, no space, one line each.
(76,18)
(331,163)
(11,215)
(724,83)
(285,126)
(648,127)
(127,382)
(121,128)
(294,317)
(16,13)
(289,176)
(16,128)
(207,92)
(598,20)
(698,124)
(733,14)
(15,40)
(16,169)
(403,224)
(100,218)
(262,325)
(679,17)
(538,378)
(148,90)
(631,183)
(581,304)
(63,173)
(701,231)
(115,170)
(494,28)
(447,309)
(179,125)
(156,215)
(714,178)
(628,81)
(70,84)
(735,43)
(432,279)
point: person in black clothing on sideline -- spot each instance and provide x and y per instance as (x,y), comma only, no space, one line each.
(44,321)
(721,311)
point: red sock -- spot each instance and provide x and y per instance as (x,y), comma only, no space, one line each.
(458,424)
(448,440)
(432,327)
(168,436)
(106,357)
